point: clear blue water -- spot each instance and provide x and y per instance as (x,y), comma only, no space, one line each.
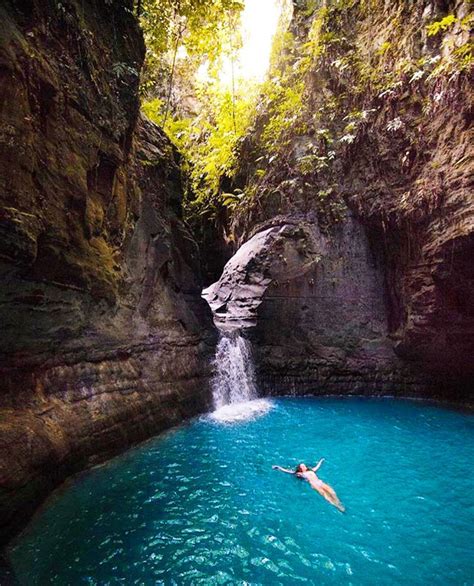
(202,505)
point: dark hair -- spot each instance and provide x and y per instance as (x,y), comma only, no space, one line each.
(298,468)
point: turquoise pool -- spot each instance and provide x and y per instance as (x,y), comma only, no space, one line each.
(202,505)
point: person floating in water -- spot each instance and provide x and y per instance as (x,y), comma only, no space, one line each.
(309,474)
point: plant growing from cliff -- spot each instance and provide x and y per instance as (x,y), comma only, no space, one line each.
(395,125)
(121,70)
(456,59)
(440,25)
(463,57)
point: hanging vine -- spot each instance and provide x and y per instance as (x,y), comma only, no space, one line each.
(179,35)
(232,65)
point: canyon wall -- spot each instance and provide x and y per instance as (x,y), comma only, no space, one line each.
(365,140)
(105,339)
(354,272)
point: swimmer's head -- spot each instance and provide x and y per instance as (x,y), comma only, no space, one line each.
(301,468)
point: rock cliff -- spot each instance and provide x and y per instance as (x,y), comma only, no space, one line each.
(105,339)
(355,234)
(366,141)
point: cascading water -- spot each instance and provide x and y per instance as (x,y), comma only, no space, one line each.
(233,385)
(234,378)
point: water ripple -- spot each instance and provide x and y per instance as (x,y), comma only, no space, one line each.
(202,505)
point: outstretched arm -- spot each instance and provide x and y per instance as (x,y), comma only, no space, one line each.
(318,465)
(283,470)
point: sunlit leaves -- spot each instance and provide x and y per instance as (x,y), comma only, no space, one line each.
(440,25)
(197,28)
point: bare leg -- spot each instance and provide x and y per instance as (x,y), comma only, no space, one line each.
(328,493)
(334,500)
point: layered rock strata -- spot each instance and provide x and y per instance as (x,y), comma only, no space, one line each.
(105,339)
(378,157)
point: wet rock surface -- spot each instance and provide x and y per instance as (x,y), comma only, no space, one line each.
(105,339)
(315,309)
(390,308)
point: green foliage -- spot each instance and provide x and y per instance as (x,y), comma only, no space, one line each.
(181,36)
(210,138)
(121,70)
(219,128)
(200,29)
(316,104)
(232,200)
(201,24)
(282,95)
(456,59)
(285,105)
(440,25)
(463,57)
(384,48)
(208,141)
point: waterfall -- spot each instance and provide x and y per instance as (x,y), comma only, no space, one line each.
(234,378)
(233,386)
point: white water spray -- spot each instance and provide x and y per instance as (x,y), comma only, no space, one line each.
(234,378)
(233,386)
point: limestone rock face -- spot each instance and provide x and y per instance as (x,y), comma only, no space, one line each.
(315,309)
(105,339)
(421,216)
(280,252)
(380,158)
